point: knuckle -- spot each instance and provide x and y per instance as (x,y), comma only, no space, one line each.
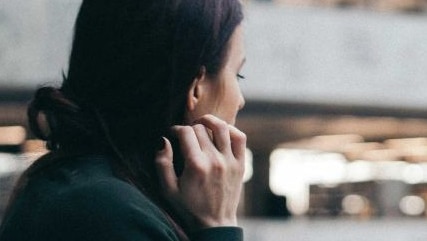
(200,171)
(222,125)
(219,167)
(243,137)
(199,128)
(161,160)
(219,160)
(186,129)
(164,162)
(195,163)
(238,134)
(240,138)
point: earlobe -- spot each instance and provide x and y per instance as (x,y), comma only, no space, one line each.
(192,96)
(195,90)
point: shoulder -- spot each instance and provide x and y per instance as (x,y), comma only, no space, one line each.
(83,200)
(107,198)
(98,202)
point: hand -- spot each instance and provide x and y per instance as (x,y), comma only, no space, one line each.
(210,185)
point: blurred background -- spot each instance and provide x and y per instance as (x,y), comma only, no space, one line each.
(336,112)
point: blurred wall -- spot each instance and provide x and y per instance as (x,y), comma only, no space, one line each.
(35,39)
(333,56)
(308,55)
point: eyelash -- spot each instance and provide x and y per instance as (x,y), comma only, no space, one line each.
(240,77)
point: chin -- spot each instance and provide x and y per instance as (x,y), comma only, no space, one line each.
(233,122)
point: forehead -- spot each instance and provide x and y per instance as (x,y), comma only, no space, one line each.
(236,52)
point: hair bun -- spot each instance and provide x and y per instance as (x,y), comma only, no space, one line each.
(50,101)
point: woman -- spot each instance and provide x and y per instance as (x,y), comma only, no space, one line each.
(141,131)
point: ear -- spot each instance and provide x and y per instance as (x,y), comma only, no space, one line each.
(196,90)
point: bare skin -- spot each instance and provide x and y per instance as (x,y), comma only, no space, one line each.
(210,185)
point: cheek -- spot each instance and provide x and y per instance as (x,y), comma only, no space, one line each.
(235,94)
(230,103)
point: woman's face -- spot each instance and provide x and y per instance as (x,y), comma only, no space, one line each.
(222,96)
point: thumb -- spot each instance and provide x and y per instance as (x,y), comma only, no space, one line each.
(165,169)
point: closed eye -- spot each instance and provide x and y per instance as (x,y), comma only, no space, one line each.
(240,77)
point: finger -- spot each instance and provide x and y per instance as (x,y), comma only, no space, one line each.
(165,170)
(220,131)
(205,140)
(188,142)
(238,142)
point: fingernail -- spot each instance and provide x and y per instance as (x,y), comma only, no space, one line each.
(161,144)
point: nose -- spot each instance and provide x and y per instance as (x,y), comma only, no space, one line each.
(242,101)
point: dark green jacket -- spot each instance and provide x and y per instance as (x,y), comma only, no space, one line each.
(82,200)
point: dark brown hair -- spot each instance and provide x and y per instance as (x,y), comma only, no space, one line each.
(131,65)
